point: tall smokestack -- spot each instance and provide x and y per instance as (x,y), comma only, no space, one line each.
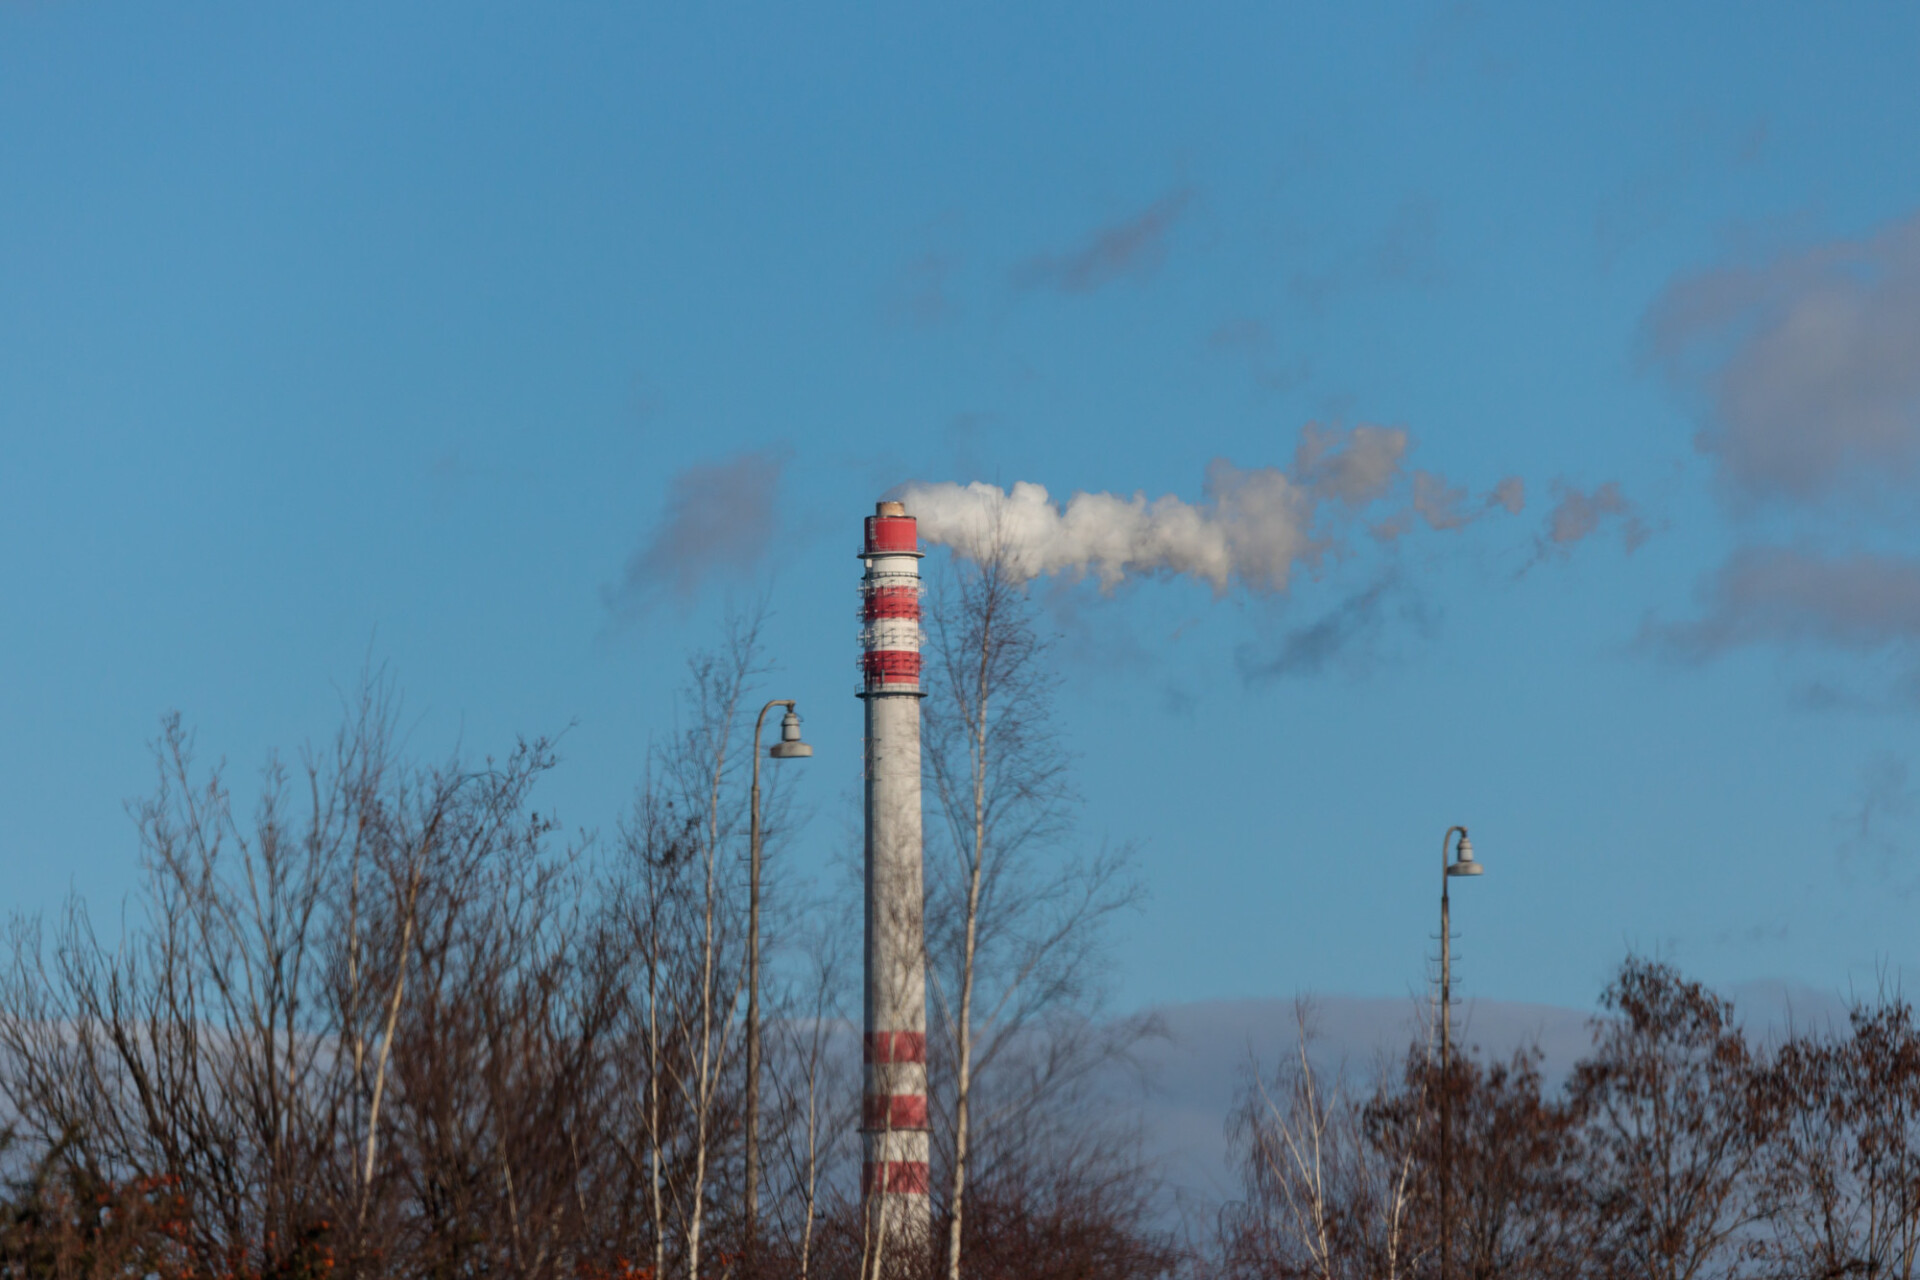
(894,1180)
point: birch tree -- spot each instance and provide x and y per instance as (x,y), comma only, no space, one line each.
(1017,919)
(1331,1182)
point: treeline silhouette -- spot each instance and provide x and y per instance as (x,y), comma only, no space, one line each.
(394,1020)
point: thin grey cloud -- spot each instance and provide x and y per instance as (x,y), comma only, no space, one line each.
(1404,253)
(921,296)
(1768,933)
(1445,38)
(1134,247)
(1440,504)
(1251,340)
(451,472)
(1446,507)
(1351,636)
(1577,515)
(1408,251)
(1510,495)
(1753,142)
(1785,596)
(1804,369)
(1881,687)
(719,518)
(1240,334)
(1876,830)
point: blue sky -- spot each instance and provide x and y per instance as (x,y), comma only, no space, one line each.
(328,332)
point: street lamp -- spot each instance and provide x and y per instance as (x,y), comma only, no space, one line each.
(790,747)
(1462,864)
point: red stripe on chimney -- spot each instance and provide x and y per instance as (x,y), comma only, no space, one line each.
(896,1046)
(892,533)
(894,1111)
(893,602)
(900,1178)
(891,666)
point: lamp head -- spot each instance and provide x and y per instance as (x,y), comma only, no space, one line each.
(790,747)
(1463,864)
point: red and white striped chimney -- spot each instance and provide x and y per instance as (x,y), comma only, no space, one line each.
(894,1179)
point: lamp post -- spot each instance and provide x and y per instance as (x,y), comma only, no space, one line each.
(788,748)
(1463,865)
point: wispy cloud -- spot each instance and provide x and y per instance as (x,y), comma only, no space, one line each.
(920,296)
(1805,368)
(1875,831)
(1786,596)
(719,518)
(1350,636)
(1803,371)
(1133,247)
(1441,505)
(1408,251)
(1577,515)
(1254,342)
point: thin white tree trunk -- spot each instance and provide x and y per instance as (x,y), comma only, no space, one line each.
(877,1254)
(813,1149)
(963,1049)
(393,1017)
(706,1083)
(653,1105)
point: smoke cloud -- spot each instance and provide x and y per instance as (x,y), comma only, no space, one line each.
(1439,503)
(1253,528)
(719,517)
(1510,495)
(1578,516)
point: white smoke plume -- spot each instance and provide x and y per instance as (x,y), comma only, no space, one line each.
(1253,527)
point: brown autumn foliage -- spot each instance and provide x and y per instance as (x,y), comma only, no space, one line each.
(1677,1148)
(1843,1167)
(1512,1164)
(1676,1117)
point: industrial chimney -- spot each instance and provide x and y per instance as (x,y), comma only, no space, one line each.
(895,1208)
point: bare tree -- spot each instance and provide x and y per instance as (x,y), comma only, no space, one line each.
(815,1094)
(658,844)
(252,1045)
(680,906)
(703,764)
(1845,1165)
(1675,1121)
(396,1023)
(1331,1182)
(1519,1209)
(1016,934)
